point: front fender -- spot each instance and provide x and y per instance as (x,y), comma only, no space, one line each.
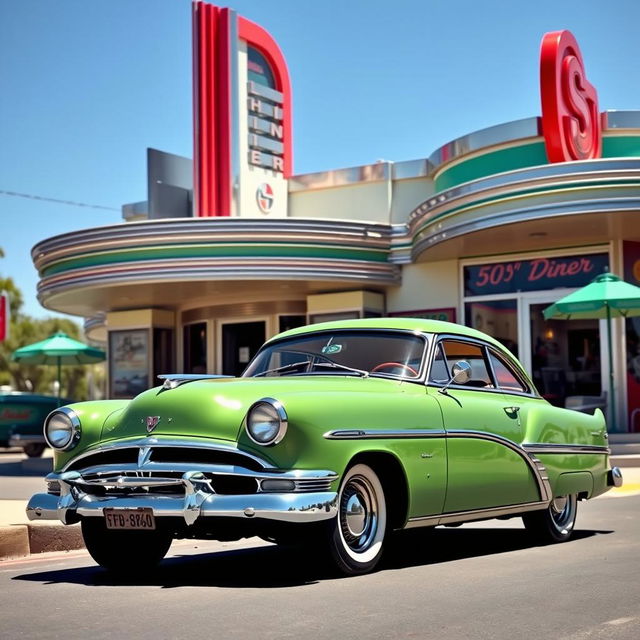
(93,415)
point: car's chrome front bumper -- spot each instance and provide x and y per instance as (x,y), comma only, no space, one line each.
(197,502)
(21,440)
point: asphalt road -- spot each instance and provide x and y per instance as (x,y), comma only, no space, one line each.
(476,581)
(21,477)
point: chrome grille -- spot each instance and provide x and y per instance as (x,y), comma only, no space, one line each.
(181,455)
(151,467)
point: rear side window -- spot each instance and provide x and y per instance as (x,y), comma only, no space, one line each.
(505,377)
(451,351)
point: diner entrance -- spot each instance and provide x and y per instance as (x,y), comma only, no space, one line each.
(565,358)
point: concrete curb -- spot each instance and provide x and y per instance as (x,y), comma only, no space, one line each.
(20,540)
(14,541)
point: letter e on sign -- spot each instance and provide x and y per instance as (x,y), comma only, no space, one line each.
(570,117)
(4,316)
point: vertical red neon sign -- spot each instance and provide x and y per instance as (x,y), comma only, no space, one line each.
(570,117)
(213,47)
(4,316)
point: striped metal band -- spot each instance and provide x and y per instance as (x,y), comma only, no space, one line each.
(566,448)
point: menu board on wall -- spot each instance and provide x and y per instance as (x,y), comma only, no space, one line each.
(538,274)
(128,362)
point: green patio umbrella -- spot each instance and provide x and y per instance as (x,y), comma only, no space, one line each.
(58,349)
(606,297)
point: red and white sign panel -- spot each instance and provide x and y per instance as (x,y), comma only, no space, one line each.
(4,316)
(229,100)
(570,118)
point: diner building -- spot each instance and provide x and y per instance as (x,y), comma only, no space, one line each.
(233,247)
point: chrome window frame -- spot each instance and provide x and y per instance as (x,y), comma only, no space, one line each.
(425,337)
(486,347)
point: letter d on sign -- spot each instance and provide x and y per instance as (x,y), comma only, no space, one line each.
(4,316)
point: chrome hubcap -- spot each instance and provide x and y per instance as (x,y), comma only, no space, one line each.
(358,513)
(355,516)
(563,512)
(559,504)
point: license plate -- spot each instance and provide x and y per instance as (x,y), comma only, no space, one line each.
(142,518)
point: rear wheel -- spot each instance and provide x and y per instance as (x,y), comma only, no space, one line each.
(357,535)
(34,449)
(125,552)
(556,523)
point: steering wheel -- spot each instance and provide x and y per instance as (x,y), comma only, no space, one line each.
(386,365)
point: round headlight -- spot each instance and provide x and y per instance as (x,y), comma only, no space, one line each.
(266,422)
(62,429)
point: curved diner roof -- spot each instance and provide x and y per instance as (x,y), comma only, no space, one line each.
(487,193)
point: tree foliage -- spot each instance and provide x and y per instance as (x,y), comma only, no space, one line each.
(25,330)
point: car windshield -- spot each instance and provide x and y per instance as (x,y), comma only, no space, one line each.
(363,353)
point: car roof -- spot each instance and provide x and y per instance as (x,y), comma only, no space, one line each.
(27,395)
(421,325)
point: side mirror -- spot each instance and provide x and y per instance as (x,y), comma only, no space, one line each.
(461,372)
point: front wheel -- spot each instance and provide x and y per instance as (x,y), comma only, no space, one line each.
(356,536)
(556,522)
(34,449)
(124,552)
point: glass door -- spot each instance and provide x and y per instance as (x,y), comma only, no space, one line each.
(564,357)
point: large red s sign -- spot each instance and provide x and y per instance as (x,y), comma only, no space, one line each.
(570,117)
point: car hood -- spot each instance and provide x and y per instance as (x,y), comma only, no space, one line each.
(216,408)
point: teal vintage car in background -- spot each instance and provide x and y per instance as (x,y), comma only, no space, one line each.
(335,435)
(21,418)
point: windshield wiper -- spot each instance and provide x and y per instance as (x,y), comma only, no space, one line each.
(334,365)
(284,367)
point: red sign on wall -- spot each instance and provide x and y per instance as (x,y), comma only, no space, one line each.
(4,316)
(570,118)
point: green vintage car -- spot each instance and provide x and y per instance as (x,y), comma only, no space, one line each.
(335,435)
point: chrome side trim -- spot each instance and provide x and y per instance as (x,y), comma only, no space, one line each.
(387,434)
(475,514)
(144,443)
(545,448)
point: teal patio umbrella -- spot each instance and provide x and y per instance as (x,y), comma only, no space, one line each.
(58,349)
(606,297)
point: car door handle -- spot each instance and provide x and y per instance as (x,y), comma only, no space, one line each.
(512,412)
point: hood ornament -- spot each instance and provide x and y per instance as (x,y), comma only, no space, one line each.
(152,423)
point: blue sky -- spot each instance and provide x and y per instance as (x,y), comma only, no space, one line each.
(86,86)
